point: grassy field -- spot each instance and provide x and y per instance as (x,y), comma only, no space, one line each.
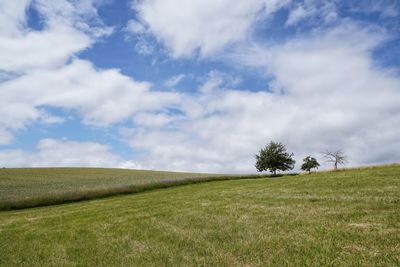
(31,187)
(345,218)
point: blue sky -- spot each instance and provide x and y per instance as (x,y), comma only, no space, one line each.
(197,85)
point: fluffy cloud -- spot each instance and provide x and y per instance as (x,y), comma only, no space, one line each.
(102,96)
(327,94)
(53,152)
(81,15)
(69,27)
(12,16)
(39,71)
(44,49)
(342,99)
(326,91)
(135,26)
(200,25)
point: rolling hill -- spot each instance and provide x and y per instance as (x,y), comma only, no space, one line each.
(32,187)
(343,218)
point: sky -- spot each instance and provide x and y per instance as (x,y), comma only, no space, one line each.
(197,85)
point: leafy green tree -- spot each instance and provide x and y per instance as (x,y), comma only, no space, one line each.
(274,157)
(309,163)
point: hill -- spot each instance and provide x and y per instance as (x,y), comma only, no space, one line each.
(32,187)
(344,218)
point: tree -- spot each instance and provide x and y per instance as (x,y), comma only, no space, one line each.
(309,163)
(274,157)
(335,157)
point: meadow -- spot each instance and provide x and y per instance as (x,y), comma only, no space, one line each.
(343,218)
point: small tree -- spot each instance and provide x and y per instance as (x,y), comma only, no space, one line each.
(274,157)
(309,163)
(335,157)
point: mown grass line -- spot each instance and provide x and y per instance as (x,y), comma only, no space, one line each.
(76,196)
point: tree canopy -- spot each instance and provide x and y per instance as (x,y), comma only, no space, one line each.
(274,157)
(309,163)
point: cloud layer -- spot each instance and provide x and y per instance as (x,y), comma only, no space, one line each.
(203,26)
(326,94)
(52,152)
(44,73)
(325,89)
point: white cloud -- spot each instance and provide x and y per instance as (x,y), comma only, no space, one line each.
(136,27)
(81,15)
(385,8)
(12,18)
(44,49)
(39,69)
(137,31)
(298,14)
(217,80)
(103,97)
(143,46)
(325,11)
(332,82)
(47,118)
(47,74)
(205,26)
(55,153)
(174,80)
(155,120)
(69,27)
(326,93)
(5,137)
(333,98)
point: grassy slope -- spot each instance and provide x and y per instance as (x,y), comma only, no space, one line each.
(347,218)
(30,187)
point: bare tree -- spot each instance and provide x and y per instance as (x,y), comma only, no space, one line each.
(335,157)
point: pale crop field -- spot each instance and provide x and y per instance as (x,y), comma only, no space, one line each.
(35,187)
(30,187)
(344,218)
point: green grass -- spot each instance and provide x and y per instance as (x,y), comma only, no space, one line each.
(345,218)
